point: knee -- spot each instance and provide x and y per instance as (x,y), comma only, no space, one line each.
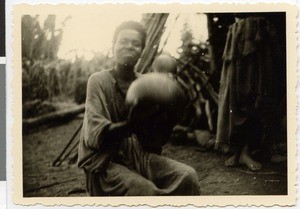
(190,175)
(190,180)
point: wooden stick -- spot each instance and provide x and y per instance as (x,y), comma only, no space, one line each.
(58,161)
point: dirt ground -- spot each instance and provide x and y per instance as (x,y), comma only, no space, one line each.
(41,179)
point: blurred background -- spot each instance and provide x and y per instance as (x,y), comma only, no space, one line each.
(60,52)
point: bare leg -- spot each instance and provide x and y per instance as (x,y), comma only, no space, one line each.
(232,161)
(245,159)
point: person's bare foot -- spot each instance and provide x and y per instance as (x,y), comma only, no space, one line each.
(232,161)
(245,159)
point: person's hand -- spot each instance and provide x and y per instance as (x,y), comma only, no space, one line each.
(140,115)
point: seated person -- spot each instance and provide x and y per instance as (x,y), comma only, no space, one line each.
(113,158)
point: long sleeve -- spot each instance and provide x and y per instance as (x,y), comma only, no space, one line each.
(101,130)
(97,117)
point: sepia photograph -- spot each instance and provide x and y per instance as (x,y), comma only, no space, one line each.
(153,103)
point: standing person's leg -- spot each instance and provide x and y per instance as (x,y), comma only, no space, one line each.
(247,160)
(169,176)
(119,181)
(245,136)
(252,136)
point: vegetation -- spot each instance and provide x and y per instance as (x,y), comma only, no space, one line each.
(50,83)
(199,67)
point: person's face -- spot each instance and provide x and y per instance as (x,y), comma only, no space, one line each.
(128,47)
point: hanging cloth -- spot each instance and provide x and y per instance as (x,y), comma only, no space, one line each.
(247,92)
